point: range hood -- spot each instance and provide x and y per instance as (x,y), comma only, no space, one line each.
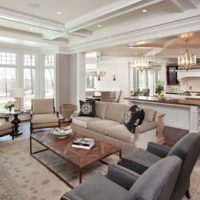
(193,73)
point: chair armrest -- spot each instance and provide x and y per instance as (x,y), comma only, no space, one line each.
(146,126)
(122,176)
(6,118)
(158,149)
(70,196)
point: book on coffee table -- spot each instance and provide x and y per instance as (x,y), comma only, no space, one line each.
(84,143)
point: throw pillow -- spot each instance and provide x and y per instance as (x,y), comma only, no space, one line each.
(133,118)
(87,109)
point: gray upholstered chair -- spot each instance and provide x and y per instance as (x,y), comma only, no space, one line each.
(156,183)
(43,114)
(6,128)
(188,149)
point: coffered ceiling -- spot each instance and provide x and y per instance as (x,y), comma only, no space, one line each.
(84,25)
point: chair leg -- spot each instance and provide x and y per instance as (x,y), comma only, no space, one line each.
(187,194)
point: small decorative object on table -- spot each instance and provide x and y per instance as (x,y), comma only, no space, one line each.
(83,143)
(9,105)
(61,132)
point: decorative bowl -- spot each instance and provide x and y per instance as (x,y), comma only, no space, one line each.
(61,132)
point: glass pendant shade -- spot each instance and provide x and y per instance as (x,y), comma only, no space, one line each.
(186,60)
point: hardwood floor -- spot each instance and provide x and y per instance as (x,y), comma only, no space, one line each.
(172,135)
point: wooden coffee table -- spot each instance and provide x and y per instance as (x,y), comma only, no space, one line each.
(81,158)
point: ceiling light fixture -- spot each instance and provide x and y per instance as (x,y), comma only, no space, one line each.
(59,13)
(144,10)
(98,72)
(98,25)
(141,63)
(186,60)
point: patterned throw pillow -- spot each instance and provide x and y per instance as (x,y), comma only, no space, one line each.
(133,118)
(87,109)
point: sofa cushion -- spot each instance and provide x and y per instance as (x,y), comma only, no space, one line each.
(87,108)
(101,109)
(43,106)
(44,118)
(150,114)
(115,112)
(97,187)
(120,132)
(101,125)
(83,121)
(134,117)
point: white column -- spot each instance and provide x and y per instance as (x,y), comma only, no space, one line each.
(81,73)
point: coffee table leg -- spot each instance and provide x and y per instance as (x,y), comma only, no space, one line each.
(120,153)
(80,176)
(30,146)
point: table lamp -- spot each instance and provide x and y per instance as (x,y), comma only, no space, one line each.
(17,94)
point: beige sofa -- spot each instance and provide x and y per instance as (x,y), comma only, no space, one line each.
(108,126)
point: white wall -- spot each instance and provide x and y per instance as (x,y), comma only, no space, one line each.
(117,66)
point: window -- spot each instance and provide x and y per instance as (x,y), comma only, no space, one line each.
(29,79)
(90,80)
(49,64)
(7,58)
(7,76)
(29,60)
(144,80)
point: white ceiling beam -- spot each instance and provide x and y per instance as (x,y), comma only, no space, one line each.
(19,36)
(23,18)
(108,12)
(166,45)
(184,5)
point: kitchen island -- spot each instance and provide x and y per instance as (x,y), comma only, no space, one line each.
(180,113)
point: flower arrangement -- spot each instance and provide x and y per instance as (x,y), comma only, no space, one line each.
(159,87)
(9,105)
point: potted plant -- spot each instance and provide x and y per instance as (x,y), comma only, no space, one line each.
(160,89)
(9,105)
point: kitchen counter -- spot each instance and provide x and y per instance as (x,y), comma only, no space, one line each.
(180,113)
(186,101)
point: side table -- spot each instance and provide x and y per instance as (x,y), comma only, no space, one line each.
(15,121)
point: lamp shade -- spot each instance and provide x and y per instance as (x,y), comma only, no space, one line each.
(17,93)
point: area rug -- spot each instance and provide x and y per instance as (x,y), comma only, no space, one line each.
(24,178)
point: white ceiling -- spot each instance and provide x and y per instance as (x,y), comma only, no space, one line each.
(76,28)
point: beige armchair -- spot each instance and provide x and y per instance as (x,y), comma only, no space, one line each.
(43,114)
(6,128)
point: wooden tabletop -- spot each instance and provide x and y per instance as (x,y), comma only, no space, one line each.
(79,157)
(187,102)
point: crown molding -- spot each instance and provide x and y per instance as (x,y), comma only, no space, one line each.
(23,18)
(107,12)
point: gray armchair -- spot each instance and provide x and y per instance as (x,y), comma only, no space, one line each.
(187,149)
(156,183)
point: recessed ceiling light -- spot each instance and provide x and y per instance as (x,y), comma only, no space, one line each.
(144,10)
(31,29)
(141,42)
(59,13)
(98,25)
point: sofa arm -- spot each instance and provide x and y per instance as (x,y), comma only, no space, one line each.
(122,176)
(146,126)
(158,149)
